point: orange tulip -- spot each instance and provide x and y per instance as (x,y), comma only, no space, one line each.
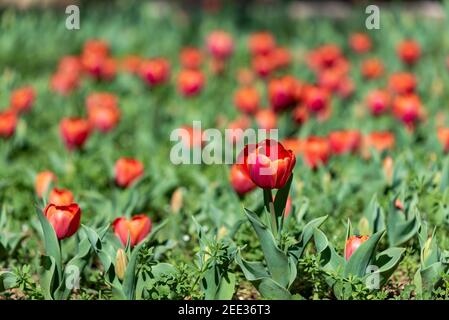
(407,109)
(316,99)
(74,132)
(191,58)
(316,151)
(64,219)
(240,181)
(61,197)
(127,171)
(190,82)
(402,83)
(345,141)
(220,44)
(266,119)
(372,68)
(22,99)
(247,100)
(137,228)
(155,71)
(261,43)
(281,93)
(443,138)
(380,140)
(409,51)
(262,65)
(131,64)
(353,243)
(43,181)
(360,42)
(63,83)
(8,123)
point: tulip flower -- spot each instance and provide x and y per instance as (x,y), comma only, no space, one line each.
(61,197)
(294,144)
(22,99)
(443,138)
(94,58)
(136,228)
(266,119)
(407,109)
(191,58)
(247,100)
(262,65)
(131,64)
(353,243)
(261,43)
(240,181)
(402,83)
(70,65)
(267,163)
(190,82)
(43,181)
(300,114)
(104,99)
(372,68)
(121,262)
(280,57)
(316,99)
(378,102)
(8,123)
(409,51)
(380,140)
(324,57)
(74,132)
(64,219)
(155,71)
(360,42)
(344,141)
(104,118)
(127,171)
(220,44)
(281,93)
(64,83)
(316,151)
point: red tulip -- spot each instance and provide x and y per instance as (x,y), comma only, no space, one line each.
(360,42)
(324,57)
(345,141)
(22,99)
(266,119)
(409,51)
(70,66)
(220,44)
(316,99)
(378,102)
(267,163)
(402,83)
(281,93)
(94,58)
(155,71)
(407,109)
(261,43)
(294,144)
(316,151)
(74,132)
(137,228)
(262,65)
(280,57)
(61,197)
(131,64)
(443,138)
(240,181)
(191,58)
(190,82)
(346,88)
(353,243)
(43,181)
(300,114)
(8,123)
(64,219)
(380,140)
(103,110)
(372,68)
(127,171)
(247,100)
(63,83)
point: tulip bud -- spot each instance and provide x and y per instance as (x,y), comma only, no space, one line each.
(220,44)
(261,43)
(190,82)
(353,243)
(388,167)
(155,71)
(127,171)
(74,132)
(8,123)
(364,226)
(176,202)
(247,100)
(43,181)
(427,250)
(121,262)
(409,51)
(22,99)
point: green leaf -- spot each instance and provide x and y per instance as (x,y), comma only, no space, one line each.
(253,271)
(306,235)
(276,260)
(270,289)
(8,280)
(329,259)
(387,262)
(362,257)
(48,277)
(227,287)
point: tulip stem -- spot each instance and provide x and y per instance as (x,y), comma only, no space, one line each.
(269,204)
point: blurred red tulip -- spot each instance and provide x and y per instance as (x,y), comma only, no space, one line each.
(378,102)
(402,83)
(443,138)
(94,58)
(8,123)
(353,243)
(136,229)
(247,100)
(190,82)
(64,219)
(104,99)
(294,144)
(261,43)
(300,114)
(408,108)
(74,132)
(70,65)
(127,171)
(380,140)
(64,83)
(262,65)
(22,99)
(266,119)
(360,42)
(316,151)
(61,197)
(372,68)
(281,93)
(104,118)
(409,51)
(240,181)
(281,57)
(220,44)
(324,57)
(316,99)
(131,64)
(191,58)
(345,141)
(43,181)
(267,163)
(155,71)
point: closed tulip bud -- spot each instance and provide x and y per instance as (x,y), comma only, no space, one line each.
(240,181)
(407,109)
(261,43)
(427,249)
(8,123)
(263,66)
(176,202)
(127,171)
(316,151)
(155,71)
(316,99)
(74,132)
(281,93)
(191,58)
(267,163)
(443,138)
(353,243)
(345,141)
(61,197)
(247,100)
(360,42)
(121,262)
(43,181)
(409,51)
(378,102)
(388,167)
(190,82)
(64,219)
(220,44)
(22,99)
(372,68)
(364,226)
(402,83)
(137,228)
